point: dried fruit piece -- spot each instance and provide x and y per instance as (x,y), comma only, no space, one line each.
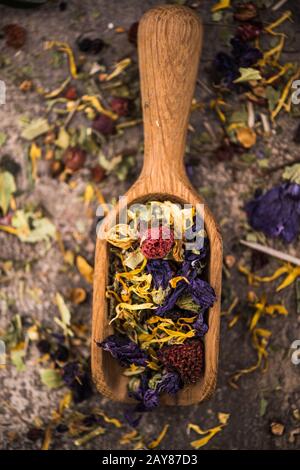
(156,242)
(277,429)
(74,158)
(186,359)
(120,106)
(104,124)
(97,173)
(15,35)
(245,11)
(71,93)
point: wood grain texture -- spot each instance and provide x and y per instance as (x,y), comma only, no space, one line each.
(169,43)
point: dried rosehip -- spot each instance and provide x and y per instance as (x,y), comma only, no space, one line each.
(71,93)
(74,158)
(248,31)
(245,11)
(133,33)
(120,106)
(97,173)
(15,35)
(187,359)
(104,124)
(156,242)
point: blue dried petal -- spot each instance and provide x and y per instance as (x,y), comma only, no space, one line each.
(124,350)
(161,272)
(202,293)
(170,383)
(200,326)
(276,213)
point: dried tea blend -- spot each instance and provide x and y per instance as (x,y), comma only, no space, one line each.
(158,299)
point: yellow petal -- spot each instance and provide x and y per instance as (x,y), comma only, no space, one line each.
(155,443)
(289,279)
(221,5)
(85,269)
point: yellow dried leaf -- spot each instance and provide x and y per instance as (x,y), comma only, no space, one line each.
(291,277)
(208,433)
(155,443)
(89,194)
(221,5)
(34,153)
(85,269)
(77,295)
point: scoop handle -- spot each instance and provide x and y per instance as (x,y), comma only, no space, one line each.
(169,46)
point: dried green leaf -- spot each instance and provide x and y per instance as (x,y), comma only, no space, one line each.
(3,138)
(63,139)
(35,128)
(32,229)
(17,358)
(248,74)
(51,378)
(292,173)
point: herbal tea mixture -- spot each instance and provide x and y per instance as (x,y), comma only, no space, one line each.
(158,300)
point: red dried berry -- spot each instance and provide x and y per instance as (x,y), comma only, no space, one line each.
(120,106)
(248,31)
(104,124)
(156,242)
(74,158)
(187,359)
(133,33)
(97,173)
(245,11)
(71,93)
(15,35)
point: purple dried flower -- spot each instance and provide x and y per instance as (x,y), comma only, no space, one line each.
(147,397)
(77,380)
(161,272)
(200,326)
(124,350)
(172,299)
(170,383)
(202,293)
(276,213)
(226,68)
(244,55)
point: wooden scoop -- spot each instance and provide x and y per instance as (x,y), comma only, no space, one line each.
(169,44)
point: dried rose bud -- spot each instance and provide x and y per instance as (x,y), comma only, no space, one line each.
(245,11)
(157,242)
(248,31)
(187,359)
(34,434)
(133,33)
(74,158)
(120,106)
(56,168)
(97,173)
(15,35)
(71,93)
(104,124)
